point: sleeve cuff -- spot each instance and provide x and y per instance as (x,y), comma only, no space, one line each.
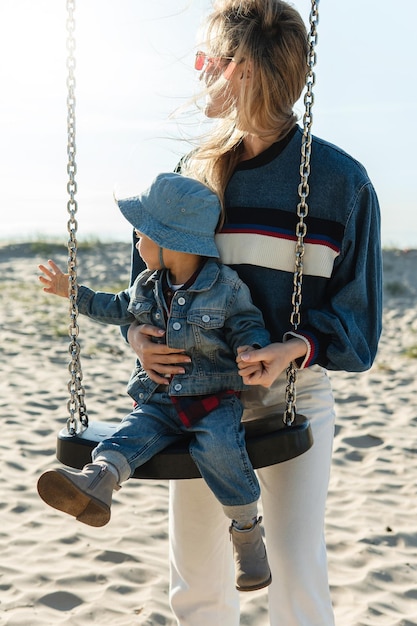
(84,296)
(312,348)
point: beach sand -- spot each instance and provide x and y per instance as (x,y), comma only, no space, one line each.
(55,570)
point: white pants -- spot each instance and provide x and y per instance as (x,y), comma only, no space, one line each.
(293,500)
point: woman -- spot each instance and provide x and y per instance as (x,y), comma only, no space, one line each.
(253,74)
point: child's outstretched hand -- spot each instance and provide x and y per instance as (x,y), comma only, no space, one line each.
(54,279)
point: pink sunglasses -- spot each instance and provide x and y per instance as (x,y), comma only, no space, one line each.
(203,61)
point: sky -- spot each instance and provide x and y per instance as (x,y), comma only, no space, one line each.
(134,68)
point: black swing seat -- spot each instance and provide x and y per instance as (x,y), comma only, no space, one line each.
(268,441)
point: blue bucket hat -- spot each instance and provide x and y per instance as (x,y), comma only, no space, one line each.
(177,213)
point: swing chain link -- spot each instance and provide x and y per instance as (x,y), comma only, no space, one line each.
(302,209)
(76,403)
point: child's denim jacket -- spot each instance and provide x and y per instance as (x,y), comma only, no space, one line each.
(208,321)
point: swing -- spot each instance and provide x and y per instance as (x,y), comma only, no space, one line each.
(269,440)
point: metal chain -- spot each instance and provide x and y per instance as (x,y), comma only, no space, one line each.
(302,209)
(76,402)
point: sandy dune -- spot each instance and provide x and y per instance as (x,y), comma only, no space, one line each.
(57,571)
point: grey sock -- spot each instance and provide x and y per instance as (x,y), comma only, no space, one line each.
(112,468)
(243,516)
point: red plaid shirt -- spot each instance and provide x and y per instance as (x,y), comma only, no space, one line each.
(190,409)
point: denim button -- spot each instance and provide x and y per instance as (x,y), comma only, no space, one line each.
(157,316)
(137,306)
(206,318)
(141,396)
(181,300)
(178,387)
(176,326)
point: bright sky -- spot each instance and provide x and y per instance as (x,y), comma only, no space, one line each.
(134,68)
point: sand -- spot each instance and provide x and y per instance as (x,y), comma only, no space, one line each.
(55,570)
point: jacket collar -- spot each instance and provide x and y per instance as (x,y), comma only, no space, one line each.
(205,279)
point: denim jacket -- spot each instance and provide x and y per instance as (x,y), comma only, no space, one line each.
(208,321)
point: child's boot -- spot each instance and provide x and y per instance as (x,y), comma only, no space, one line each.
(251,561)
(85,494)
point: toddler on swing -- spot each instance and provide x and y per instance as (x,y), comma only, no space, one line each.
(205,311)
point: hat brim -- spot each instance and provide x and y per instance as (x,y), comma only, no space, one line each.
(135,213)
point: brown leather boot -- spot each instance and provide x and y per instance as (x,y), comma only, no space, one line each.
(251,561)
(85,494)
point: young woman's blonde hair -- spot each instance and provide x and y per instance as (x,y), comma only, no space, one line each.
(268,41)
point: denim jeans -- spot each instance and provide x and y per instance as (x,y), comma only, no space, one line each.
(218,446)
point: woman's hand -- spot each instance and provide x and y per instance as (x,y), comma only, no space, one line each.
(157,359)
(263,366)
(54,279)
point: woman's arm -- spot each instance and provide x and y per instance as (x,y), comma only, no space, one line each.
(157,359)
(343,333)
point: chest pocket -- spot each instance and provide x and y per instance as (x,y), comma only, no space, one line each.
(206,319)
(141,308)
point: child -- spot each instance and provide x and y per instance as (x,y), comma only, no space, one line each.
(206,311)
